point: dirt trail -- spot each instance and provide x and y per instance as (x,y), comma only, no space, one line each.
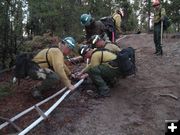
(135,107)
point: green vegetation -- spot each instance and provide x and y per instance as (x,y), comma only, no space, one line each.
(34,17)
(5,89)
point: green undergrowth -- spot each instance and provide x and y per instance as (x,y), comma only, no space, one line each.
(5,89)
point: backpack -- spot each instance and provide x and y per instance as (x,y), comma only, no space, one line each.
(24,64)
(166,23)
(125,60)
(108,21)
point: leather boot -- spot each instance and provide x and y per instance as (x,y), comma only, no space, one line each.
(160,52)
(104,92)
(36,94)
(156,52)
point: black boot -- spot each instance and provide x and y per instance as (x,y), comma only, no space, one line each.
(36,94)
(156,52)
(104,93)
(160,52)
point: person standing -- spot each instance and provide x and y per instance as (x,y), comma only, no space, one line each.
(117,16)
(159,15)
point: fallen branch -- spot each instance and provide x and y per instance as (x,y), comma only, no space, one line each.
(169,95)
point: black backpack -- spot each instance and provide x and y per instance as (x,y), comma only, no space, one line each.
(109,23)
(126,61)
(24,65)
(166,23)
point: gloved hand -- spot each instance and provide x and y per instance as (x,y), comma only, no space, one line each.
(78,75)
(47,70)
(71,87)
(83,76)
(73,76)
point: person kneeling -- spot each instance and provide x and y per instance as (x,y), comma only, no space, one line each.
(53,69)
(100,71)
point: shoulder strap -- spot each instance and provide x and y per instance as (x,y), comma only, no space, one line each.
(102,49)
(51,46)
(160,12)
(101,57)
(47,58)
(47,61)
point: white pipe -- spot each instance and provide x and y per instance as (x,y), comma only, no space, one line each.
(121,38)
(26,130)
(31,108)
(161,32)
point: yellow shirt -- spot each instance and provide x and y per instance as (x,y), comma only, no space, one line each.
(118,20)
(56,60)
(96,59)
(112,47)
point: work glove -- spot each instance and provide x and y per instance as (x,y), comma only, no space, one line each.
(73,76)
(71,87)
(81,75)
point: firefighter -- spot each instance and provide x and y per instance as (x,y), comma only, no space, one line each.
(52,67)
(98,42)
(93,27)
(159,15)
(117,16)
(100,70)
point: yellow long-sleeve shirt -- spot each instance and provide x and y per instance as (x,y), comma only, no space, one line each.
(56,60)
(97,58)
(118,20)
(112,47)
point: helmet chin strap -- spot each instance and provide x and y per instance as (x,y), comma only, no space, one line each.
(95,39)
(87,61)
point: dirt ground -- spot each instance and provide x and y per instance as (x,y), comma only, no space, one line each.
(136,107)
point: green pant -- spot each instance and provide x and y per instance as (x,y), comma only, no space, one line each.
(157,36)
(48,79)
(101,75)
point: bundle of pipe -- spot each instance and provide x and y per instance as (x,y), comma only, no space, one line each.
(35,123)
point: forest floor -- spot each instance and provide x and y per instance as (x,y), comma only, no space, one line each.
(137,105)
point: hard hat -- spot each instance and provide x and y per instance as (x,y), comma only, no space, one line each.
(85,19)
(95,38)
(83,49)
(119,11)
(156,3)
(70,42)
